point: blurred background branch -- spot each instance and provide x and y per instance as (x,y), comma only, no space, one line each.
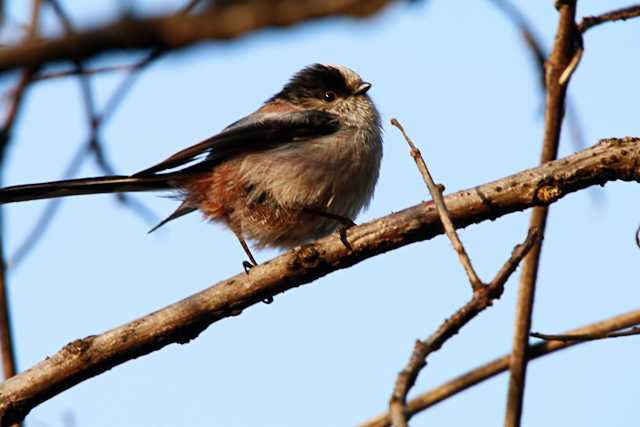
(7,340)
(231,20)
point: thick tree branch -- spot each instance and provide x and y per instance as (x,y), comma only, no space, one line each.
(501,364)
(563,51)
(609,160)
(173,32)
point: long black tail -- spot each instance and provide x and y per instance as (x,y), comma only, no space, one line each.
(97,185)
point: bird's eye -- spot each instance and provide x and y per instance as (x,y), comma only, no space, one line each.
(329,96)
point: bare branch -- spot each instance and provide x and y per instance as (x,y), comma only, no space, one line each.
(482,299)
(174,32)
(7,350)
(563,50)
(93,145)
(46,217)
(436,195)
(539,54)
(586,337)
(608,160)
(136,66)
(501,364)
(589,22)
(51,208)
(74,72)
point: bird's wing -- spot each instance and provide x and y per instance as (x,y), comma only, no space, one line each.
(258,131)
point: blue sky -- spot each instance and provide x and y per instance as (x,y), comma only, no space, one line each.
(457,75)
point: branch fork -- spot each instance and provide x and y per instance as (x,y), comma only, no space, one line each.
(482,298)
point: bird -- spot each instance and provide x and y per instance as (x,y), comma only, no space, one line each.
(300,167)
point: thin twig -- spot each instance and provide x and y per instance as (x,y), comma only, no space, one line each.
(589,22)
(490,369)
(46,217)
(6,342)
(96,120)
(74,72)
(482,298)
(609,160)
(93,146)
(436,195)
(623,14)
(528,33)
(539,54)
(52,207)
(586,337)
(7,350)
(561,54)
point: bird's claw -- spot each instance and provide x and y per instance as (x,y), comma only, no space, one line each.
(342,232)
(247,266)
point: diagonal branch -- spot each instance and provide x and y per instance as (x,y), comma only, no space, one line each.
(488,370)
(130,68)
(175,32)
(436,195)
(529,35)
(97,120)
(609,160)
(92,146)
(482,299)
(483,295)
(623,14)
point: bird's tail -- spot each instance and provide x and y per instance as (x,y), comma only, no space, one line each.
(75,187)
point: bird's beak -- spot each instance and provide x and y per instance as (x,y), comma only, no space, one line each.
(363,88)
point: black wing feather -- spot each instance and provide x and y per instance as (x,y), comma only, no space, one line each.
(258,131)
(265,131)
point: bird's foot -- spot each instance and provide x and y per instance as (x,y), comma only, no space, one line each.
(247,266)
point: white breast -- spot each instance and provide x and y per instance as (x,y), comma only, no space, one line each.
(336,173)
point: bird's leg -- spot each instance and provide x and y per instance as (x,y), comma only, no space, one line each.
(247,265)
(347,223)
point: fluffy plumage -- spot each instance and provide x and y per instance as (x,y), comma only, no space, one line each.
(315,146)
